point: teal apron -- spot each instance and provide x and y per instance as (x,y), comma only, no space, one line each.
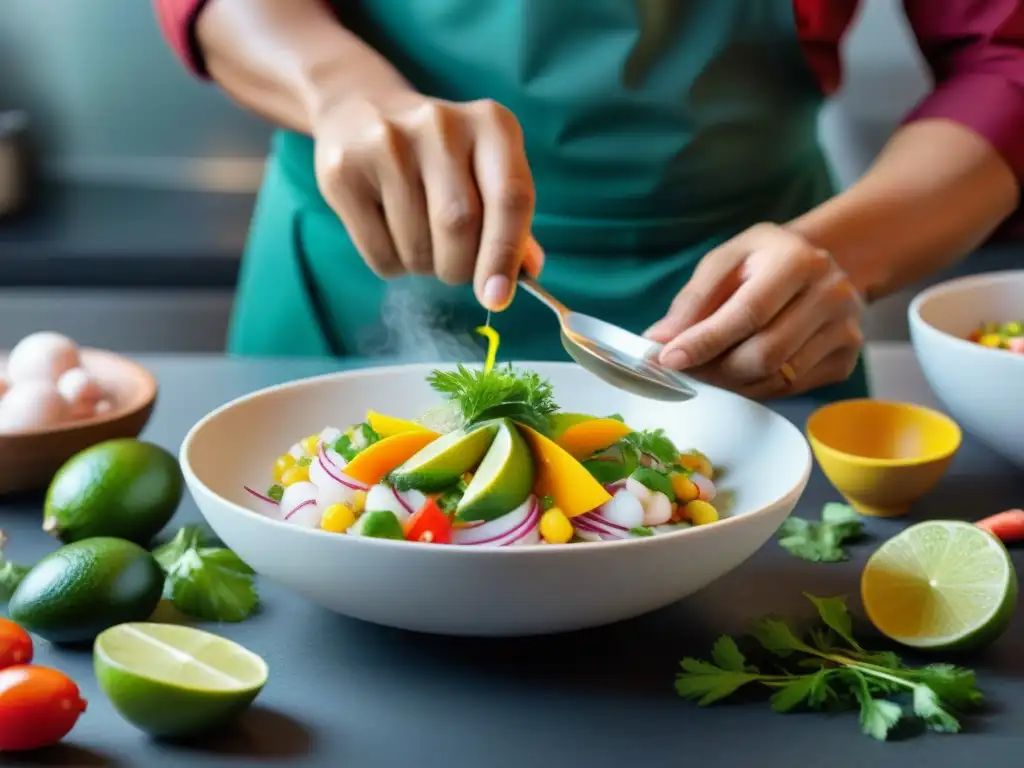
(655,129)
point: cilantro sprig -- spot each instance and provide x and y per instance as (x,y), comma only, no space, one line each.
(654,443)
(501,392)
(821,542)
(827,668)
(204,581)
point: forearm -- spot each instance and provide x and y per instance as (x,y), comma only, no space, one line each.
(289,60)
(936,192)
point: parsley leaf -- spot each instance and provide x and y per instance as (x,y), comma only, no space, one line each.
(11,574)
(641,530)
(815,673)
(821,542)
(654,443)
(206,582)
(501,392)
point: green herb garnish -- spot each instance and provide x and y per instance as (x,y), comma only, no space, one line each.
(449,499)
(275,492)
(11,574)
(826,668)
(304,461)
(501,392)
(206,582)
(821,542)
(547,502)
(655,481)
(654,443)
(641,530)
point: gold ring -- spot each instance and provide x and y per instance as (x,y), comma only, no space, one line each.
(787,372)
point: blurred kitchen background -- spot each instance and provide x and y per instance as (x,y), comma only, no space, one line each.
(150,176)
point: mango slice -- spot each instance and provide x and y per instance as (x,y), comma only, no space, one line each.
(562,477)
(374,462)
(588,437)
(389,426)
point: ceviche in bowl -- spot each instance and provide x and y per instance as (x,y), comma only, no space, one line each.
(515,500)
(497,465)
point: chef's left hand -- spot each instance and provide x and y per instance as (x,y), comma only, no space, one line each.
(766,314)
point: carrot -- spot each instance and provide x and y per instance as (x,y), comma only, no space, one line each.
(1006,526)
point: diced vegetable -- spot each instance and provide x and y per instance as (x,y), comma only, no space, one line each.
(429,524)
(283,463)
(697,462)
(700,512)
(555,527)
(684,488)
(338,518)
(381,525)
(296,474)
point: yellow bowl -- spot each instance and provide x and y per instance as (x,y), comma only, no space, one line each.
(882,456)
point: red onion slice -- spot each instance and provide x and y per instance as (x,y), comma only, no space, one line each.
(495,530)
(296,508)
(331,471)
(599,527)
(597,517)
(261,496)
(528,528)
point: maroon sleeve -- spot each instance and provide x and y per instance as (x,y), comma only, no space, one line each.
(820,26)
(976,53)
(178,23)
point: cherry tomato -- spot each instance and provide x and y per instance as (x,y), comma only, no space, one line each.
(38,707)
(429,524)
(15,644)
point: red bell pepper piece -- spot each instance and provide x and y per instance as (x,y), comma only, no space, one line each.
(429,524)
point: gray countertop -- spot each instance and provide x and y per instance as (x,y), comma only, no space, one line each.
(350,694)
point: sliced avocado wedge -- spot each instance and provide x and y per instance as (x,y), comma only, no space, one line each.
(503,480)
(441,463)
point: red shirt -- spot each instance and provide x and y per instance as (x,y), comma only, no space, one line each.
(974,48)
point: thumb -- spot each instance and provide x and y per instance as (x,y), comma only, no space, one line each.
(533,257)
(715,279)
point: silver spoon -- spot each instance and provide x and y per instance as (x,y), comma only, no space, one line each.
(621,358)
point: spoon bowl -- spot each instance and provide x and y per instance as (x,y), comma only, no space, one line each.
(613,354)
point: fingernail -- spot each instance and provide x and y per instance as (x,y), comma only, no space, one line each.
(675,358)
(496,291)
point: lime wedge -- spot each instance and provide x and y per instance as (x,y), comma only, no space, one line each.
(441,463)
(940,585)
(175,681)
(503,480)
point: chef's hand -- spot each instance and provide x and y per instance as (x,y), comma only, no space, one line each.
(766,314)
(431,187)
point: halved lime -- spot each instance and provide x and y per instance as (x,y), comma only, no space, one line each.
(175,681)
(440,464)
(503,480)
(941,585)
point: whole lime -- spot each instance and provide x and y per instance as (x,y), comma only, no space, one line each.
(125,488)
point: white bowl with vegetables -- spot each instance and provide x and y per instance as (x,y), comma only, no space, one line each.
(531,499)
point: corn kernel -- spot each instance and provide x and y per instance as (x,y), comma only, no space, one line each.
(555,527)
(697,463)
(310,444)
(992,340)
(700,513)
(358,501)
(294,475)
(684,488)
(338,518)
(283,463)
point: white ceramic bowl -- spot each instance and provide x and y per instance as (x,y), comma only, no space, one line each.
(980,387)
(495,592)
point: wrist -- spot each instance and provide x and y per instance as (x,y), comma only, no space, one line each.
(348,74)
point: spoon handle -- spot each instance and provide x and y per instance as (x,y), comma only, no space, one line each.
(534,289)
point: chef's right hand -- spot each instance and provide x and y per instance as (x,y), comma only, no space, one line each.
(432,187)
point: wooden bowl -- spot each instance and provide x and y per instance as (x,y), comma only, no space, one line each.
(29,460)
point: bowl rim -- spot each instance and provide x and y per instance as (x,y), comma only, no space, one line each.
(793,494)
(144,398)
(917,461)
(951,286)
